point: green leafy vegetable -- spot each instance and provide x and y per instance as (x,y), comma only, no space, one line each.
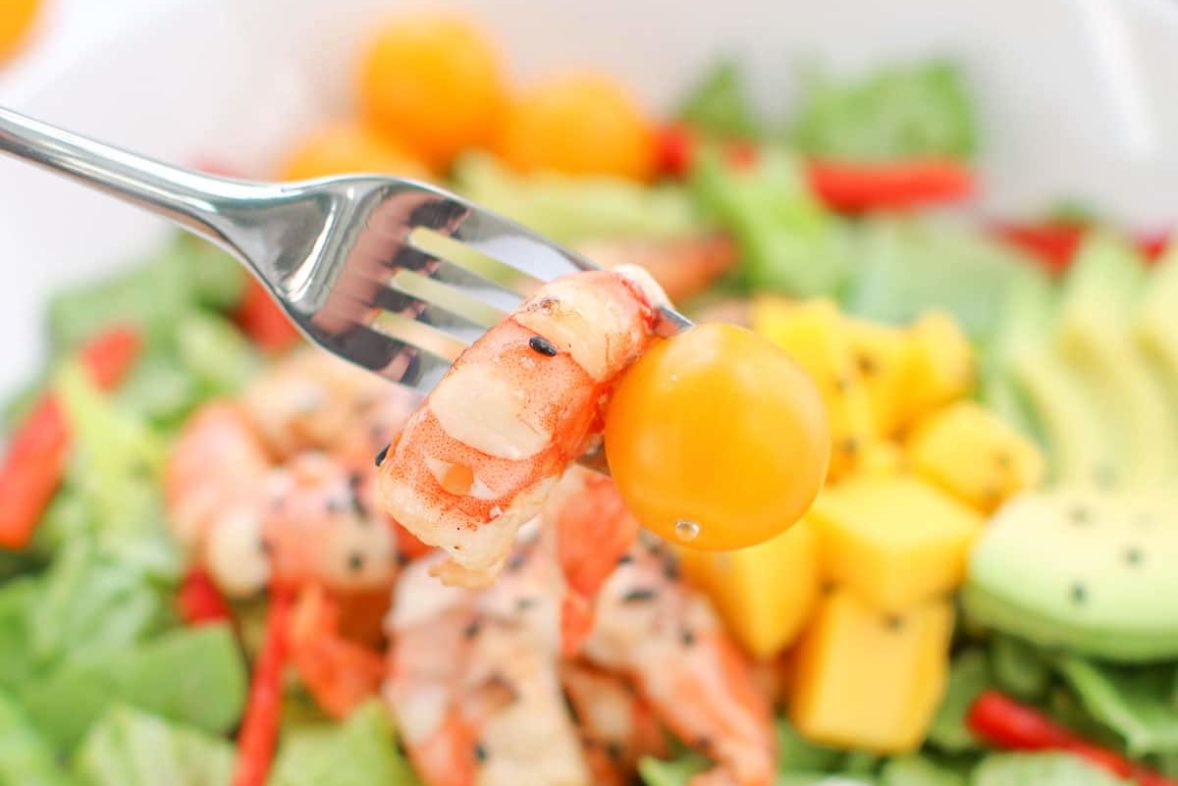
(25,758)
(215,353)
(796,753)
(919,771)
(968,677)
(718,104)
(1132,702)
(1040,769)
(788,241)
(907,267)
(572,209)
(358,753)
(131,748)
(1018,667)
(88,605)
(194,676)
(674,772)
(916,111)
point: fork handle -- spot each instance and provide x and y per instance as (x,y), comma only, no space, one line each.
(203,204)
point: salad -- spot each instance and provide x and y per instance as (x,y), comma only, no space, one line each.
(200,581)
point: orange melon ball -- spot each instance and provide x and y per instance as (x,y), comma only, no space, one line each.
(350,148)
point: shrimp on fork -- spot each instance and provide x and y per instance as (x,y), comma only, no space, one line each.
(481,455)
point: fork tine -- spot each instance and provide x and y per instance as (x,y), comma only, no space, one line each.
(516,246)
(419,334)
(490,269)
(447,298)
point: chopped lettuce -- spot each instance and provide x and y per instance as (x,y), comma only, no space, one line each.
(1018,668)
(127,747)
(215,353)
(718,104)
(1133,702)
(796,753)
(920,110)
(1040,769)
(571,209)
(788,241)
(360,752)
(194,676)
(115,471)
(25,758)
(907,267)
(969,675)
(672,772)
(88,605)
(17,597)
(919,771)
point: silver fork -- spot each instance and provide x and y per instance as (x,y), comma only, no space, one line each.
(393,275)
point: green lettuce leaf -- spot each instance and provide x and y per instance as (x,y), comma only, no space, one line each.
(1132,702)
(572,209)
(127,747)
(1018,668)
(969,675)
(361,752)
(193,676)
(796,753)
(901,112)
(1040,769)
(919,771)
(25,758)
(17,597)
(788,241)
(718,104)
(671,772)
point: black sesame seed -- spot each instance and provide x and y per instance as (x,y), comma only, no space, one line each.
(360,509)
(336,505)
(355,480)
(572,709)
(355,562)
(894,622)
(687,637)
(1134,556)
(614,750)
(850,446)
(401,558)
(542,345)
(480,753)
(472,629)
(704,744)
(516,562)
(625,559)
(523,604)
(266,547)
(1079,593)
(380,457)
(639,596)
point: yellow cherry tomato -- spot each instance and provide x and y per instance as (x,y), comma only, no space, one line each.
(16,22)
(717,439)
(349,148)
(579,124)
(434,80)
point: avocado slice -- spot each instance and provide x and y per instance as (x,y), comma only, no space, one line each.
(1157,323)
(1082,569)
(1102,289)
(1024,377)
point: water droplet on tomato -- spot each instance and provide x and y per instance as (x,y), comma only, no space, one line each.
(686,530)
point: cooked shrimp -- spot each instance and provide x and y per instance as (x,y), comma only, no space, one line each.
(683,266)
(250,523)
(666,637)
(479,458)
(617,727)
(473,680)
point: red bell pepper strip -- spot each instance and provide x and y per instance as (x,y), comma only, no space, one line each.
(264,321)
(200,601)
(1056,244)
(1006,723)
(677,146)
(259,729)
(32,469)
(857,187)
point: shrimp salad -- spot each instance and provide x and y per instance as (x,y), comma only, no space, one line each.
(897,511)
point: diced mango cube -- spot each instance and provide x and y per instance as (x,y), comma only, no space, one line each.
(765,592)
(895,540)
(814,334)
(882,458)
(942,365)
(884,357)
(867,679)
(975,455)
